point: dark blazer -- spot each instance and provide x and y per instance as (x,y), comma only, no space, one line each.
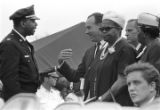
(152,54)
(83,70)
(18,69)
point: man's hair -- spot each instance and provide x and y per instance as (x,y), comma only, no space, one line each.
(16,22)
(42,76)
(98,17)
(149,73)
(135,23)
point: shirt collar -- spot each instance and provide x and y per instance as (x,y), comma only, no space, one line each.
(102,44)
(138,46)
(20,34)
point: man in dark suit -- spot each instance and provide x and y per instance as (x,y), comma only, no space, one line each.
(18,69)
(86,68)
(149,36)
(113,61)
(132,31)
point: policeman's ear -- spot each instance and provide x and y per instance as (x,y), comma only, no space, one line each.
(23,22)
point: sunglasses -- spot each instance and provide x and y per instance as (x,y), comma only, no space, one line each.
(106,29)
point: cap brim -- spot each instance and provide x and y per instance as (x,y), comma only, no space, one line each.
(33,17)
(54,74)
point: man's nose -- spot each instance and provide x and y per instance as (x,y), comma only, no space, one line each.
(131,87)
(86,32)
(126,34)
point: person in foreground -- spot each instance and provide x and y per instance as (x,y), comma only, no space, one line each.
(143,81)
(18,69)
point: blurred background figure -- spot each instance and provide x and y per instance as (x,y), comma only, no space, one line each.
(143,81)
(149,37)
(132,31)
(102,106)
(49,93)
(22,101)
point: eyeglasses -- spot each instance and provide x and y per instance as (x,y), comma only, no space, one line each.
(106,29)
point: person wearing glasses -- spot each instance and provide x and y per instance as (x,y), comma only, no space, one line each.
(114,59)
(149,36)
(49,91)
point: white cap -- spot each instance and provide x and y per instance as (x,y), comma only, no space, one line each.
(113,16)
(148,19)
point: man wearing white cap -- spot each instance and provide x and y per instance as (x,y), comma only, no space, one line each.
(114,59)
(149,36)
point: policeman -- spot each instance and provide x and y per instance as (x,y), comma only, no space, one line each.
(18,69)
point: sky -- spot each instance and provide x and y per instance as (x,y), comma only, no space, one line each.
(57,15)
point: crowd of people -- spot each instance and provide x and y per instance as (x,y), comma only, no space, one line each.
(115,69)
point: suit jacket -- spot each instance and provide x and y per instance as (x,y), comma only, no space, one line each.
(18,69)
(84,69)
(152,54)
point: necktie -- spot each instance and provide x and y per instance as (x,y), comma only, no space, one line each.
(97,49)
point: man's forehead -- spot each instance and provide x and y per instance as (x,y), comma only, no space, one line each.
(131,23)
(90,20)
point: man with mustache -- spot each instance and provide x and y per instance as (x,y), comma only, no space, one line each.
(18,69)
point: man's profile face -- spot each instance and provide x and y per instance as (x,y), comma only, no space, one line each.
(139,89)
(132,32)
(30,26)
(52,81)
(92,29)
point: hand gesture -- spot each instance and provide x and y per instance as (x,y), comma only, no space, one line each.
(64,55)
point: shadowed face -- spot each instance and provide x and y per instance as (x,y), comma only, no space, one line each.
(30,26)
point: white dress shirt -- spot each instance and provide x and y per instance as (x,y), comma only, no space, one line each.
(49,99)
